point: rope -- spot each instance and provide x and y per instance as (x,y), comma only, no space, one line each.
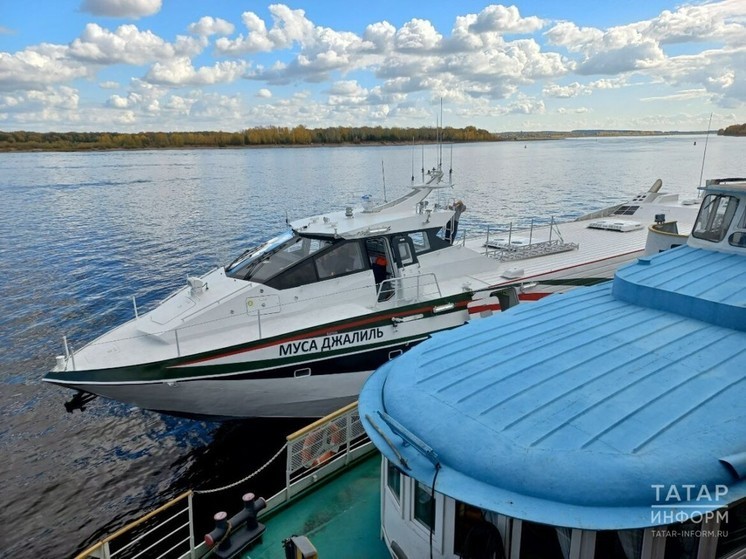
(215,547)
(240,481)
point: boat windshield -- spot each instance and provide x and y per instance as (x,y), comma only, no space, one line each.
(274,256)
(715,216)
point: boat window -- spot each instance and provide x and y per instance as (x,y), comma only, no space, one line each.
(275,256)
(393,480)
(738,239)
(424,505)
(345,258)
(300,274)
(732,531)
(474,535)
(403,251)
(683,543)
(237,268)
(714,217)
(542,540)
(618,544)
(420,241)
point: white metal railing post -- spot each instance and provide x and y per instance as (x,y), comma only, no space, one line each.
(348,424)
(178,349)
(487,244)
(288,466)
(531,233)
(191,526)
(134,304)
(259,322)
(551,228)
(67,349)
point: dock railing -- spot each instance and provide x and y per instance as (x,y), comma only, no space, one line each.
(313,453)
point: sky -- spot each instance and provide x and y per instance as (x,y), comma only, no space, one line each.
(179,65)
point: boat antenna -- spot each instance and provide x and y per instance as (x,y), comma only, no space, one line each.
(423,163)
(412,160)
(450,168)
(440,141)
(704,154)
(383,172)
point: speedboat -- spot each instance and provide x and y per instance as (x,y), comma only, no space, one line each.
(293,327)
(605,422)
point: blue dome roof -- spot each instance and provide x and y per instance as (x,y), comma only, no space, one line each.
(580,410)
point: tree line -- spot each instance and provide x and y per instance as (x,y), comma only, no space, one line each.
(733,130)
(264,136)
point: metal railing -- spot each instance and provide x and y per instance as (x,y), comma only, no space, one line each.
(312,454)
(409,289)
(152,535)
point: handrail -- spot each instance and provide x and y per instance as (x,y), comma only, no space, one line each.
(349,442)
(240,318)
(132,525)
(324,420)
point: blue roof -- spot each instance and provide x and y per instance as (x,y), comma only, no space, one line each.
(570,410)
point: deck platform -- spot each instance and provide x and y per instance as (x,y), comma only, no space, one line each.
(342,518)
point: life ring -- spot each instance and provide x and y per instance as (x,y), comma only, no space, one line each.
(319,446)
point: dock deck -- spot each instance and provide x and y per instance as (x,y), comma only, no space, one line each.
(342,518)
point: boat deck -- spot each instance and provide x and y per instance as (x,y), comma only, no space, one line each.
(344,514)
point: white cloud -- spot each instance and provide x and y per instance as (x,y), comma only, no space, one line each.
(208,26)
(264,93)
(117,102)
(109,85)
(289,27)
(121,8)
(499,19)
(37,67)
(180,71)
(679,96)
(126,45)
(417,35)
(565,92)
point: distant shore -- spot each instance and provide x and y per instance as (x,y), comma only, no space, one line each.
(24,141)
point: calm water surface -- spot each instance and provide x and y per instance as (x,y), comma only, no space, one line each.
(82,233)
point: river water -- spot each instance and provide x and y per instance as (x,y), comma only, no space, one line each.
(82,233)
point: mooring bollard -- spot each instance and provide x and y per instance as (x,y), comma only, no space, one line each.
(220,531)
(240,532)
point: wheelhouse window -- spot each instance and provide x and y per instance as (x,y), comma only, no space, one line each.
(403,251)
(345,258)
(424,505)
(393,480)
(420,241)
(274,256)
(715,216)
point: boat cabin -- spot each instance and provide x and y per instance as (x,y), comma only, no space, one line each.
(416,521)
(291,260)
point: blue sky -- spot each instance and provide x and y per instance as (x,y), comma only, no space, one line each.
(132,65)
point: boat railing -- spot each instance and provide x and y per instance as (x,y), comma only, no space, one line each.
(167,531)
(409,289)
(505,243)
(312,455)
(252,323)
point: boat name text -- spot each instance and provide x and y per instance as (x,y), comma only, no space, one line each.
(330,342)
